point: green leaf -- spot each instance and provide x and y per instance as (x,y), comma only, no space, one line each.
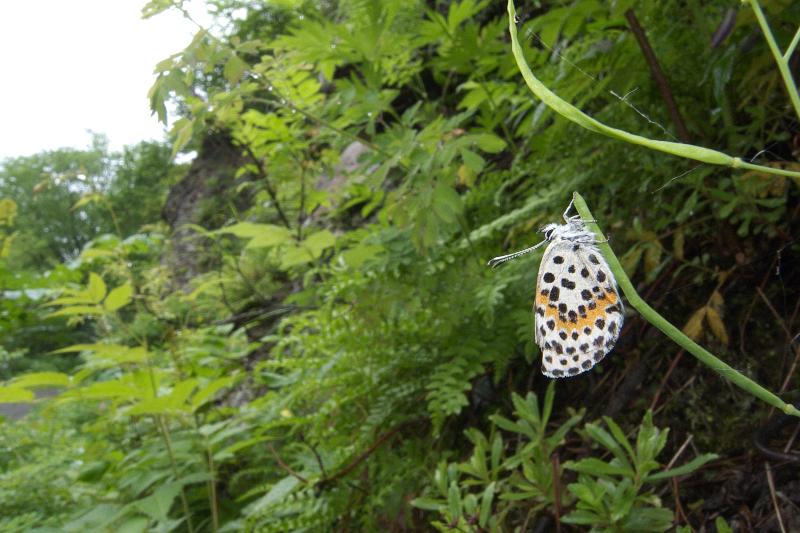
(183,130)
(682,470)
(474,161)
(722,525)
(596,467)
(294,256)
(207,392)
(158,504)
(234,69)
(42,379)
(277,493)
(319,241)
(488,142)
(119,297)
(96,289)
(486,504)
(428,504)
(133,524)
(454,500)
(14,394)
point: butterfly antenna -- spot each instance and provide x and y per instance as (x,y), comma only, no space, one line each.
(503,258)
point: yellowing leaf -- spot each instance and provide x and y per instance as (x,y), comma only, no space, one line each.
(87,199)
(716,301)
(652,257)
(96,290)
(8,211)
(716,325)
(678,241)
(119,297)
(694,327)
(630,261)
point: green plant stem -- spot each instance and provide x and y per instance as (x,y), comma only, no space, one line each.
(174,463)
(780,59)
(572,113)
(789,51)
(649,314)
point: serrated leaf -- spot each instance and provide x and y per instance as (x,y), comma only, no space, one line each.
(716,325)
(694,327)
(119,297)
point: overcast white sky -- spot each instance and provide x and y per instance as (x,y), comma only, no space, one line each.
(72,65)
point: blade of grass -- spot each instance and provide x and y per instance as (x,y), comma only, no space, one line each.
(572,113)
(649,314)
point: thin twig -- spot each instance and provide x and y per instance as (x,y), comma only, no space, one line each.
(283,465)
(658,76)
(679,452)
(556,491)
(774,498)
(272,194)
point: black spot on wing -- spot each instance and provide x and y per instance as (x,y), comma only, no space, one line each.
(567,284)
(549,277)
(554,294)
(558,259)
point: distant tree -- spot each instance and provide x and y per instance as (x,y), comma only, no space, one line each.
(67,197)
(139,185)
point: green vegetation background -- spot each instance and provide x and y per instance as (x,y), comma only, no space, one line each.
(297,331)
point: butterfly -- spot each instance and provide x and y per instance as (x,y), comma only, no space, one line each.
(578,311)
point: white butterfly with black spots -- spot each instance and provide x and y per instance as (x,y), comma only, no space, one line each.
(578,311)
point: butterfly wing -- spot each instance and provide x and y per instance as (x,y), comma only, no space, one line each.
(578,309)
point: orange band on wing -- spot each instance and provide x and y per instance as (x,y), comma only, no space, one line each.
(589,319)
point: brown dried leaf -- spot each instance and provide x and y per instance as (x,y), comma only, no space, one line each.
(716,301)
(630,261)
(716,325)
(652,257)
(694,327)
